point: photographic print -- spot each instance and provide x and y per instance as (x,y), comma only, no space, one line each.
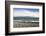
(24,17)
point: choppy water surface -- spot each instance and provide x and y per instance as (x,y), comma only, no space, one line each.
(25,22)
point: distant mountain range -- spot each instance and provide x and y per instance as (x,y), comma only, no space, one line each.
(26,18)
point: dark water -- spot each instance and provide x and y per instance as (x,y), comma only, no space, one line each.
(23,23)
(26,18)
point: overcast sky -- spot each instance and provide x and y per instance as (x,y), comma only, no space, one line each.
(25,12)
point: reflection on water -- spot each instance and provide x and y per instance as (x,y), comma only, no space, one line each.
(26,24)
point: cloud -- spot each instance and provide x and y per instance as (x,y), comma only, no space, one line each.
(25,13)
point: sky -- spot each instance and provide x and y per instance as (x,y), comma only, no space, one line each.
(32,12)
(29,9)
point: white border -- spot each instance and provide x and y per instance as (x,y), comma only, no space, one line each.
(29,28)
